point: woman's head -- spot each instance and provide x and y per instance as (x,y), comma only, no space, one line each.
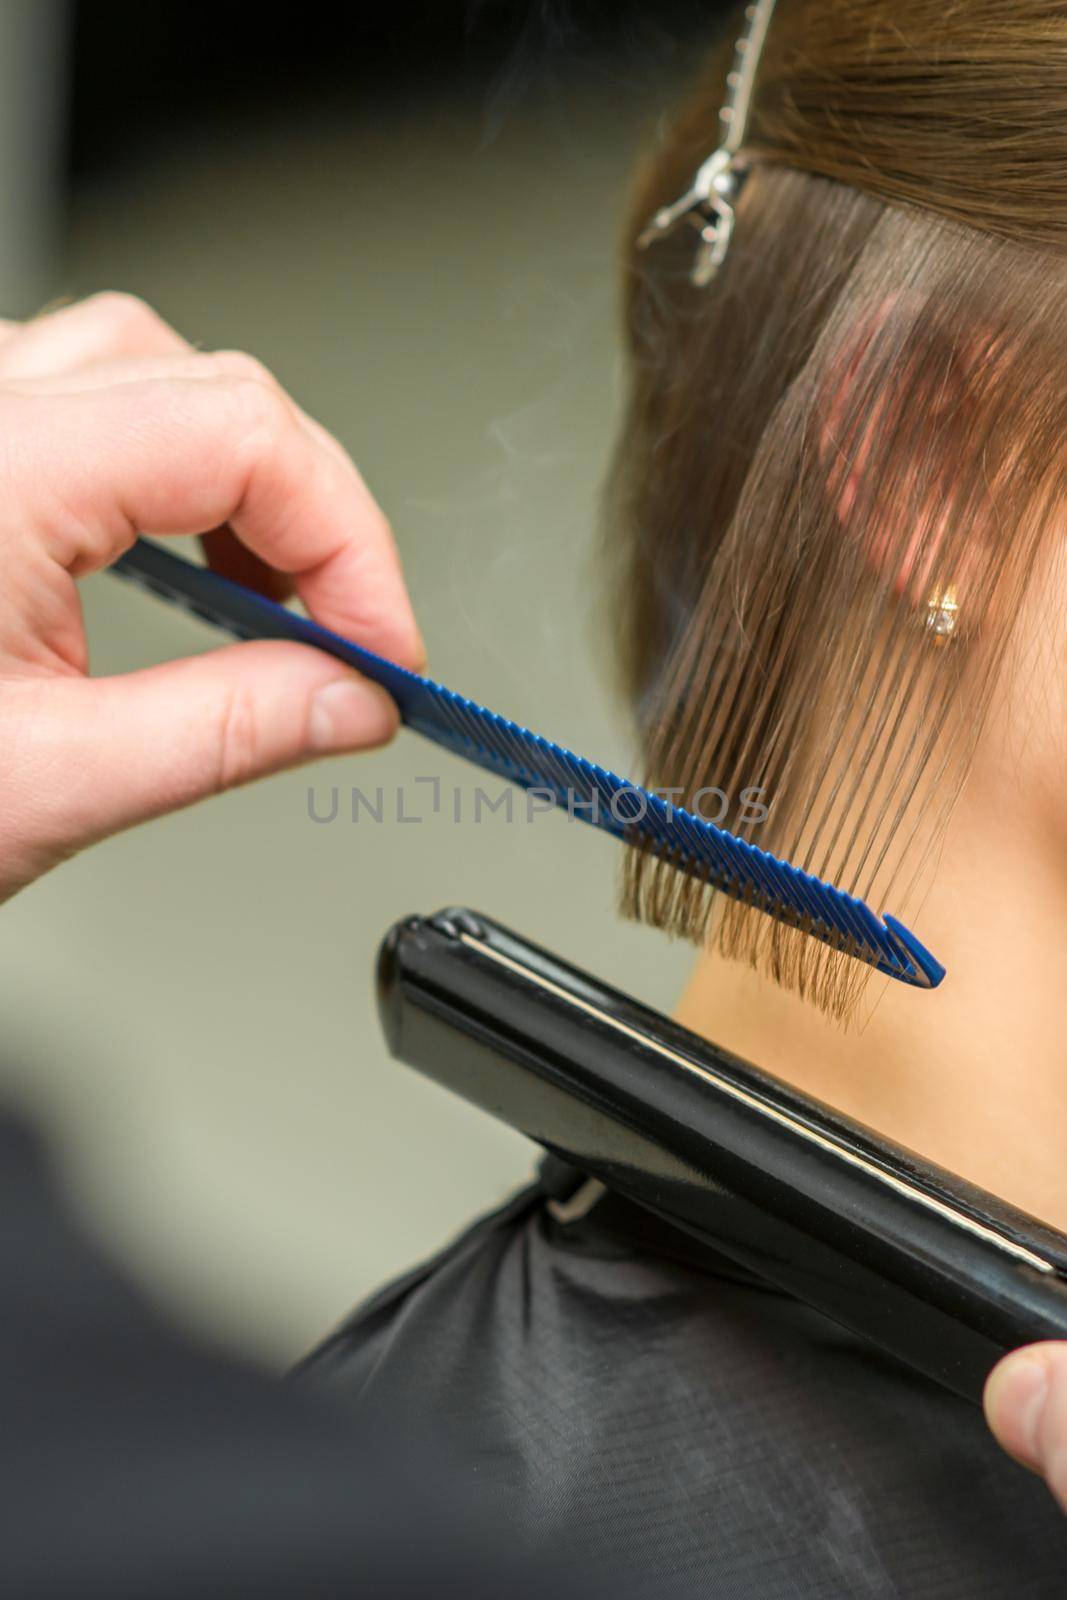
(843,470)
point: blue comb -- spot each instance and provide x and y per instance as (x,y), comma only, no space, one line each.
(691,844)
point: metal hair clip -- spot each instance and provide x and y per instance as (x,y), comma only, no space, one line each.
(708,203)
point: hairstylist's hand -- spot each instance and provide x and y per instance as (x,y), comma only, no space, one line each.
(1026,1407)
(110,425)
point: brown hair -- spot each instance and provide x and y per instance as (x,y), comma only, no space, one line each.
(861,422)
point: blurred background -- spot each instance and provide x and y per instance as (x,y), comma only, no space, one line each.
(412,219)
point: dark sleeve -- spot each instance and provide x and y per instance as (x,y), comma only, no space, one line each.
(137,1465)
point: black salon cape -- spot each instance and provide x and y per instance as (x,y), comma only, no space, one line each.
(633,1397)
(134,1466)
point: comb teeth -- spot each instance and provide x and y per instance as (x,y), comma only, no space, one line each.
(694,846)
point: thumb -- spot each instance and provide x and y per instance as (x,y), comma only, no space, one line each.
(97,755)
(1026,1407)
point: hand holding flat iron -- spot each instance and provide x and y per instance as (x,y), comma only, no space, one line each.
(1026,1407)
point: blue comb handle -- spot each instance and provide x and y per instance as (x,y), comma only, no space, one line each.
(592,793)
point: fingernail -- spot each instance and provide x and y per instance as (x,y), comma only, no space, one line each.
(350,714)
(1015,1401)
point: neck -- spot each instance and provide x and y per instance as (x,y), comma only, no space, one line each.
(972,1076)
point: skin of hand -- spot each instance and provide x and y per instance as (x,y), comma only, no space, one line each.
(112,425)
(1026,1407)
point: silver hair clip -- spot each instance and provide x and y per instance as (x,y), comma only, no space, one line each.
(708,203)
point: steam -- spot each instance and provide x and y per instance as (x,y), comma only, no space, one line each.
(558,42)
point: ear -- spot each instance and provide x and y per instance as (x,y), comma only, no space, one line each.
(848,450)
(843,456)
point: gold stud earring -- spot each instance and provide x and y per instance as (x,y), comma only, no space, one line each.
(942,613)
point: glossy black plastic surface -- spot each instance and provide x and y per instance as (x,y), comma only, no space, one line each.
(939,1273)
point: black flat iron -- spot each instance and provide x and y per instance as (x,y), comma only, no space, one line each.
(935,1271)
